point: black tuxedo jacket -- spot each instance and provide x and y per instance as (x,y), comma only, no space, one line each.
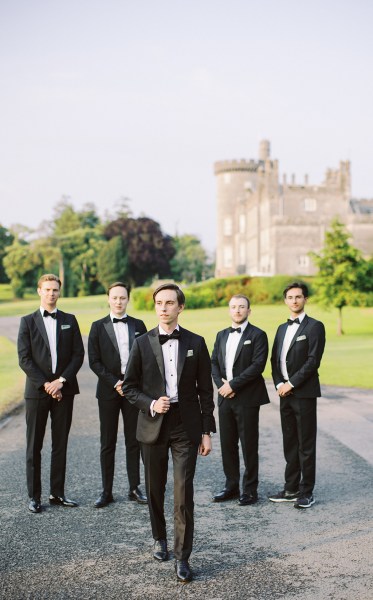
(35,356)
(145,381)
(303,358)
(104,356)
(249,363)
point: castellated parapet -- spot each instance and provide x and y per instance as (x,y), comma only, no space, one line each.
(268,228)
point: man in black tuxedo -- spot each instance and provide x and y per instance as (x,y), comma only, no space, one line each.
(168,378)
(109,343)
(296,355)
(238,361)
(51,352)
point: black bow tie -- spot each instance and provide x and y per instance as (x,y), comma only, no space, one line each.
(122,320)
(233,329)
(48,314)
(163,337)
(291,321)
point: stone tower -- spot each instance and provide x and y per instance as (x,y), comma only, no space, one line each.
(268,228)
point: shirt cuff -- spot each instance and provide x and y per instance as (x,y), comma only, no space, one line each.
(118,382)
(279,385)
(152,412)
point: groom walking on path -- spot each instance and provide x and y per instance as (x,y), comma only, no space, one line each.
(296,355)
(168,378)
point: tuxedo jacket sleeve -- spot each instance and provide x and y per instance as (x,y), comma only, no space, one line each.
(303,358)
(35,357)
(145,382)
(104,355)
(248,366)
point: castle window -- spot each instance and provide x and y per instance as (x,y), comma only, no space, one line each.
(227,177)
(242,252)
(242,223)
(228,225)
(304,260)
(310,204)
(227,256)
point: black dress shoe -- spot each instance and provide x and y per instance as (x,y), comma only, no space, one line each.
(104,500)
(34,506)
(160,551)
(62,501)
(225,495)
(247,499)
(138,496)
(183,572)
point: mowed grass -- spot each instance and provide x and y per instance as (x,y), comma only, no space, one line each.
(11,377)
(347,360)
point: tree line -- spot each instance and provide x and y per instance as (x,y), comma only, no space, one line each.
(89,253)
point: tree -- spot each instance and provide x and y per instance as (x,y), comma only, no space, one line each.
(21,263)
(6,239)
(340,265)
(112,262)
(149,251)
(190,262)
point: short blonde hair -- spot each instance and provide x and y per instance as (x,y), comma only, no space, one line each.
(49,277)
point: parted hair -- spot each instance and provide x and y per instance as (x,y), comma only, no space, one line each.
(126,286)
(49,277)
(296,284)
(171,286)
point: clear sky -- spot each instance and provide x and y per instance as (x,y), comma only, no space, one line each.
(138,99)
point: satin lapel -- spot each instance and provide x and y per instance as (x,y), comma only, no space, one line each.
(244,337)
(223,347)
(281,337)
(40,325)
(60,321)
(182,352)
(131,331)
(301,328)
(157,349)
(109,327)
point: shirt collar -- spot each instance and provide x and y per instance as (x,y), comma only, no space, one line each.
(112,316)
(163,332)
(300,317)
(43,309)
(242,325)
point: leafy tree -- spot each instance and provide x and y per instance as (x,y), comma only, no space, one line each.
(6,238)
(339,264)
(190,262)
(149,251)
(112,262)
(21,263)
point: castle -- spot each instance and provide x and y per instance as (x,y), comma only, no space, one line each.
(265,227)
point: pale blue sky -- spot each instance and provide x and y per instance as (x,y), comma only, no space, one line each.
(138,98)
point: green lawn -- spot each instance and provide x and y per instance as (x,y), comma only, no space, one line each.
(347,359)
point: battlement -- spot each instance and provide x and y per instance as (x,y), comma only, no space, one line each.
(227,166)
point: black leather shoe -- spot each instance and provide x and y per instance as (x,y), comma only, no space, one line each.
(138,496)
(62,501)
(104,500)
(183,572)
(160,551)
(34,506)
(247,499)
(225,495)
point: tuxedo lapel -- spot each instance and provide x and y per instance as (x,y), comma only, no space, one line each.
(281,337)
(301,328)
(109,327)
(222,348)
(131,323)
(245,335)
(41,327)
(157,349)
(182,352)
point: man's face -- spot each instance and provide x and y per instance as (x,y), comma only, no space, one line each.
(49,292)
(295,301)
(118,300)
(239,310)
(167,309)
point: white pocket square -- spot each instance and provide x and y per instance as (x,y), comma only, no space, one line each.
(189,353)
(137,333)
(301,337)
(65,326)
(247,342)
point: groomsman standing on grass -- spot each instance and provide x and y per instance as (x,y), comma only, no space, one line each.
(296,355)
(51,352)
(238,361)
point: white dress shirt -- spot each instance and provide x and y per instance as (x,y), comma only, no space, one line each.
(170,352)
(289,335)
(231,348)
(51,329)
(121,333)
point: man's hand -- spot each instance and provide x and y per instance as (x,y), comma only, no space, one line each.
(118,387)
(161,405)
(53,387)
(205,446)
(285,390)
(225,390)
